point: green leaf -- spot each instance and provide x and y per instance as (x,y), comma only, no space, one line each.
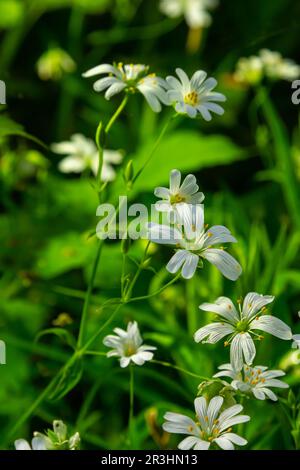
(9,127)
(63,334)
(64,253)
(12,12)
(188,151)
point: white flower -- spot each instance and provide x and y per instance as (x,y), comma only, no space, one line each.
(37,443)
(194,96)
(296,341)
(194,11)
(130,78)
(128,346)
(82,154)
(210,426)
(249,70)
(194,241)
(186,192)
(241,325)
(256,380)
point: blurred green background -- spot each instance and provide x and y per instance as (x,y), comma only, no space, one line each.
(247,163)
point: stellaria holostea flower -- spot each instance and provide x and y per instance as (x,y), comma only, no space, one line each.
(130,78)
(194,96)
(211,426)
(82,154)
(128,346)
(256,380)
(54,63)
(185,192)
(194,241)
(240,326)
(194,11)
(58,439)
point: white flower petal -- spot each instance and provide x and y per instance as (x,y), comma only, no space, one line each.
(100,69)
(272,325)
(177,261)
(72,164)
(228,266)
(188,443)
(254,302)
(175,178)
(114,89)
(189,266)
(163,234)
(238,440)
(22,444)
(213,332)
(224,307)
(224,443)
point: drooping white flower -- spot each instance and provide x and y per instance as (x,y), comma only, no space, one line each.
(210,426)
(194,242)
(128,346)
(82,154)
(240,326)
(255,380)
(130,78)
(296,341)
(195,11)
(37,443)
(194,96)
(56,439)
(54,63)
(185,192)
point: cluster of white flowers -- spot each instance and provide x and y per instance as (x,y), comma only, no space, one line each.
(57,439)
(192,239)
(192,97)
(267,64)
(195,12)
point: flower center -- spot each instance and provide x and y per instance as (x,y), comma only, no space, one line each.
(129,350)
(242,326)
(176,199)
(192,98)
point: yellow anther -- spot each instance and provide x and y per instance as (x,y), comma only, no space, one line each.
(190,429)
(257,317)
(263,380)
(191,98)
(206,419)
(259,371)
(240,300)
(229,307)
(250,305)
(209,234)
(226,343)
(216,421)
(264,309)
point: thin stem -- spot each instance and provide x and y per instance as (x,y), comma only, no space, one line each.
(116,114)
(153,294)
(88,295)
(95,353)
(128,291)
(97,333)
(180,369)
(131,403)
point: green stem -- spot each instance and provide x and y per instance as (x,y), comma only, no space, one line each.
(101,144)
(180,369)
(153,294)
(128,291)
(88,295)
(131,403)
(97,333)
(283,155)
